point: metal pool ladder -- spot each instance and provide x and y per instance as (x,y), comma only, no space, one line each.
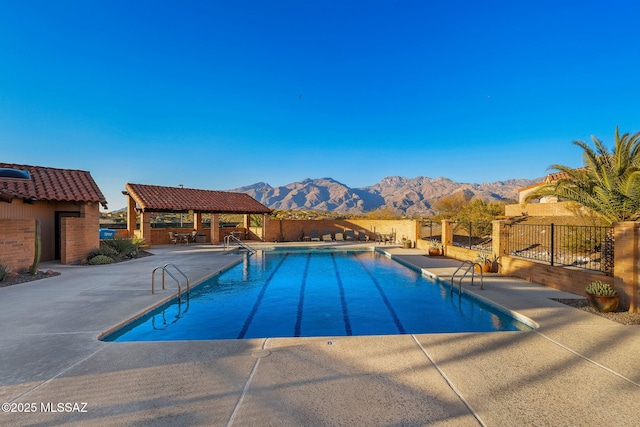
(470,266)
(229,238)
(164,270)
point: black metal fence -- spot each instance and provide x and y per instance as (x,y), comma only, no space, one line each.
(473,235)
(431,230)
(588,247)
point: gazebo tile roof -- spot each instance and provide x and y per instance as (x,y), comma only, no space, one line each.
(167,199)
(52,184)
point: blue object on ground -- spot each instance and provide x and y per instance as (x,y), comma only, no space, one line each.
(106,234)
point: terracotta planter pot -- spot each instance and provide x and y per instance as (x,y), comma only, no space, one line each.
(603,303)
(434,252)
(486,267)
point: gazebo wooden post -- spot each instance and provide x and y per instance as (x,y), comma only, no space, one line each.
(215,229)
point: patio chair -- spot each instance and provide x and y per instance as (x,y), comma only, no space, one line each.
(326,236)
(349,235)
(338,237)
(314,236)
(362,236)
(173,238)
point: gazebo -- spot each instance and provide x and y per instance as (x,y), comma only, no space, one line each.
(149,199)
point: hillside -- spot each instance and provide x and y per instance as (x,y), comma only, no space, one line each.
(411,196)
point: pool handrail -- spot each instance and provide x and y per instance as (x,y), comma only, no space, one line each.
(227,242)
(471,266)
(164,270)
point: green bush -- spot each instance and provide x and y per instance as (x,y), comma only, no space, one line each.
(124,248)
(100,259)
(103,250)
(138,241)
(4,271)
(116,250)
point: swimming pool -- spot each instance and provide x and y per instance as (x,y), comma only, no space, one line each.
(297,293)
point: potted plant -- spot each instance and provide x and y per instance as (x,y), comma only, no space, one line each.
(602,296)
(484,261)
(407,243)
(494,263)
(435,248)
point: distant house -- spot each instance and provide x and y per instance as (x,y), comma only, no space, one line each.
(544,206)
(66,203)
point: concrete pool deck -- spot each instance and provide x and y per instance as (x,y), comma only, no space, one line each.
(575,369)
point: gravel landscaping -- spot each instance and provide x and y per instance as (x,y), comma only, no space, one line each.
(623,317)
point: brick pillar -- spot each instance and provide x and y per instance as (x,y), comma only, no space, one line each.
(131,216)
(246,223)
(265,221)
(500,238)
(145,227)
(417,232)
(447,234)
(625,267)
(215,229)
(197,221)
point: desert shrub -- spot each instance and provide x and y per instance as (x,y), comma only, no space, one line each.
(4,271)
(103,250)
(125,248)
(116,250)
(138,242)
(100,259)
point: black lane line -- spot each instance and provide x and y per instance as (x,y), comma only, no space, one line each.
(296,331)
(395,317)
(343,299)
(254,310)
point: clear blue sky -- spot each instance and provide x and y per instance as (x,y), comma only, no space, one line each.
(217,95)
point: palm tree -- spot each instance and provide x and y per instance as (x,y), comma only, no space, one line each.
(609,182)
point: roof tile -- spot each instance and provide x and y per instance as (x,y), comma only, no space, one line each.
(167,199)
(53,184)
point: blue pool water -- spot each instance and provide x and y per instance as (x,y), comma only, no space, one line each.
(318,293)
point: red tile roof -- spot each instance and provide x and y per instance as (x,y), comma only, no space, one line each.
(551,177)
(153,198)
(51,184)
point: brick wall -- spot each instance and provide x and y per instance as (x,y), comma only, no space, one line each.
(539,209)
(17,243)
(79,235)
(294,230)
(568,279)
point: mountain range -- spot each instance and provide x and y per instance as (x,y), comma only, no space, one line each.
(410,196)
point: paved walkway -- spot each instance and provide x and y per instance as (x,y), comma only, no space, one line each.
(575,369)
